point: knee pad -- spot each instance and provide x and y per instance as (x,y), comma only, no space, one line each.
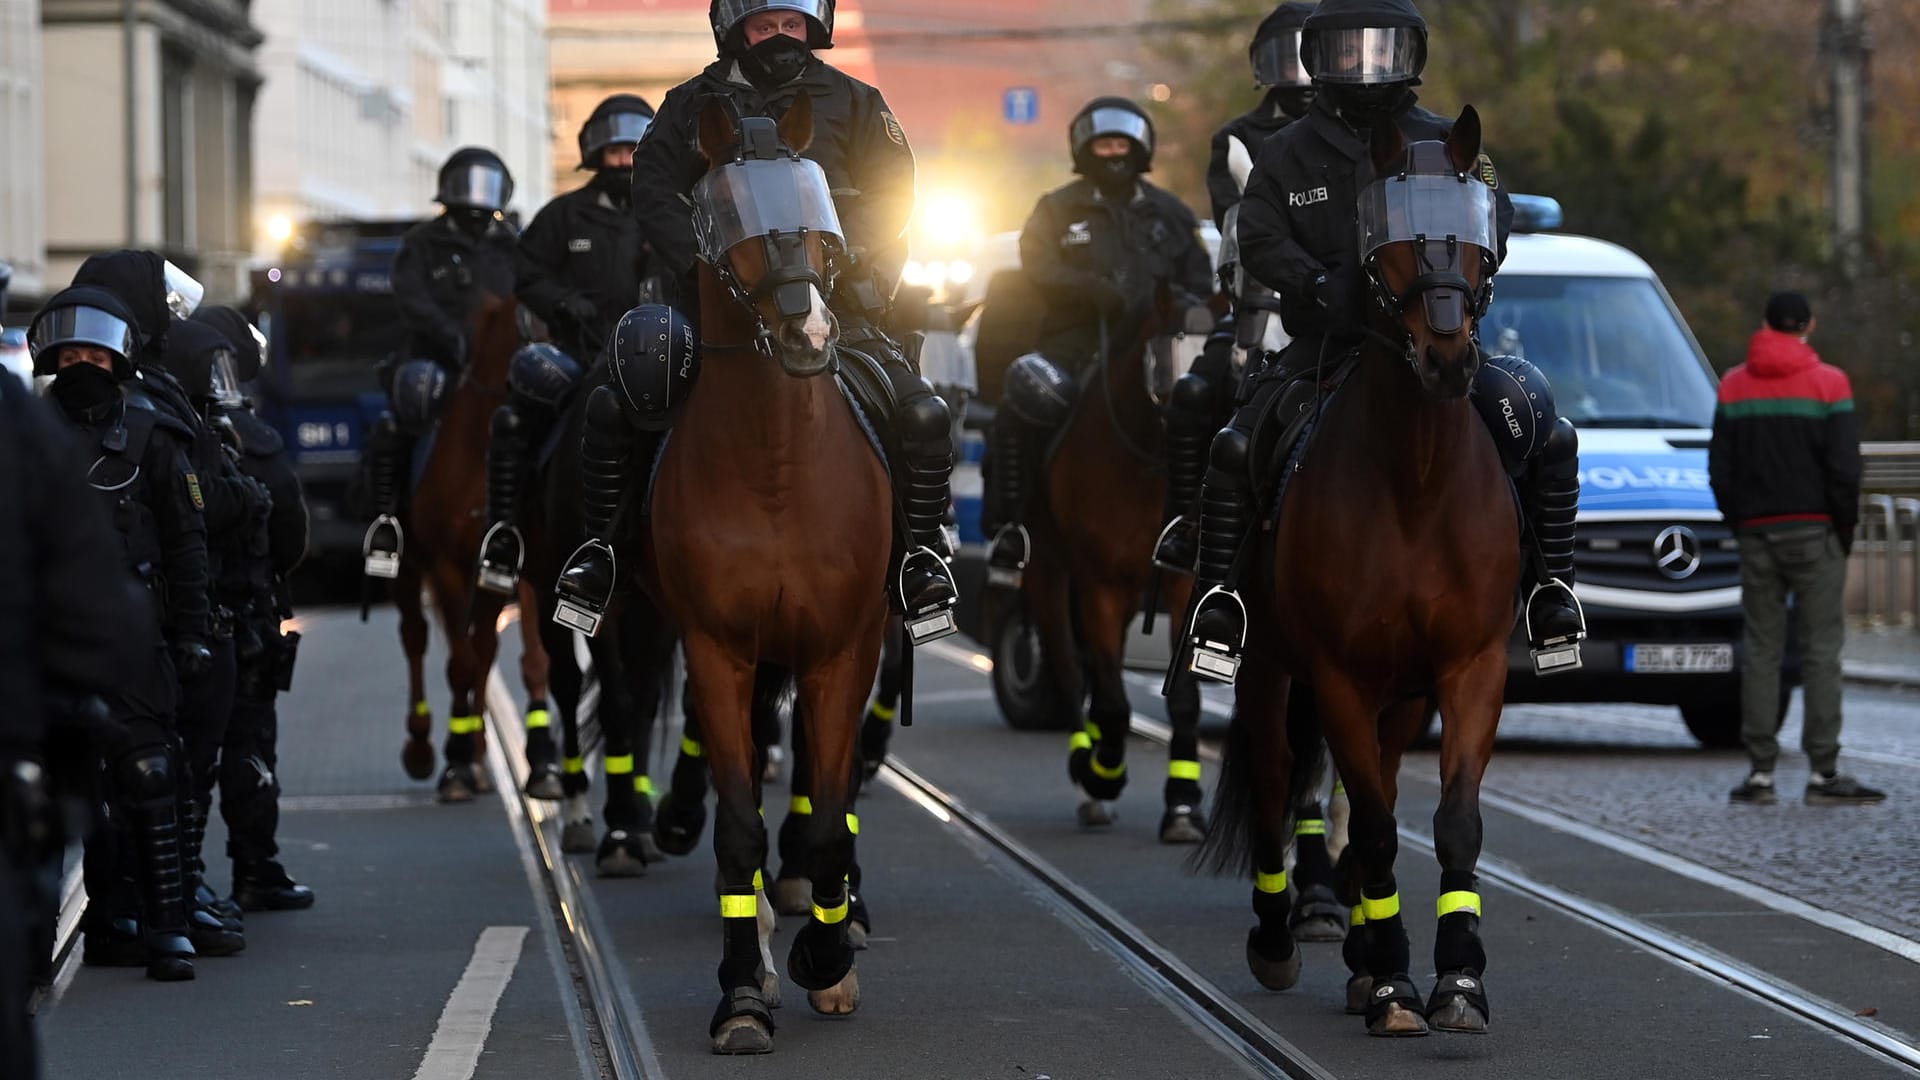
(384,434)
(146,774)
(1039,392)
(655,361)
(541,373)
(924,424)
(1193,393)
(1560,456)
(507,422)
(1516,403)
(419,388)
(1228,456)
(606,410)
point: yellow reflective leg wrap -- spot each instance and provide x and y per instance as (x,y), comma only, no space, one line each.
(643,784)
(1459,901)
(1380,909)
(1310,827)
(759,881)
(740,905)
(575,764)
(421,708)
(1356,917)
(1339,787)
(1271,883)
(853,824)
(539,718)
(1106,773)
(464,725)
(884,712)
(1183,770)
(800,804)
(1093,731)
(619,764)
(1080,740)
(830,915)
(691,748)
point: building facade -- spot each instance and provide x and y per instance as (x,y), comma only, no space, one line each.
(23,203)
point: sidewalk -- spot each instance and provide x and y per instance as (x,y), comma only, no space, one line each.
(1882,657)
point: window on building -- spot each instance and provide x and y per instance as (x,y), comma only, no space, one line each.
(176,148)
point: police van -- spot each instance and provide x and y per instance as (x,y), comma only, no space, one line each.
(1658,571)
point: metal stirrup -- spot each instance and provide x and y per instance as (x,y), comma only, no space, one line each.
(495,578)
(1216,660)
(383,564)
(584,613)
(1562,654)
(936,621)
(999,576)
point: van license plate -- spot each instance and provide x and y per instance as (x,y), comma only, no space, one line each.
(1679,659)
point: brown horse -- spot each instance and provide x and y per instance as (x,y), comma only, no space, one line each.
(1091,564)
(765,475)
(1390,580)
(444,524)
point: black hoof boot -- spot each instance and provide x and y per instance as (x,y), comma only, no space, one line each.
(266,886)
(1319,916)
(1097,778)
(1183,823)
(678,822)
(820,956)
(1394,1009)
(742,1023)
(1275,964)
(621,854)
(457,784)
(1459,1004)
(545,779)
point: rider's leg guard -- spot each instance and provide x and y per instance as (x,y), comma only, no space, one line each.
(1191,424)
(1219,628)
(1551,494)
(925,433)
(502,551)
(586,585)
(387,451)
(1007,558)
(146,781)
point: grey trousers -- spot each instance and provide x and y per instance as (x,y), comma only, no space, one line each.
(1807,563)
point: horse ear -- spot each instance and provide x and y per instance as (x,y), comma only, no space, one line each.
(796,125)
(1463,143)
(719,122)
(1389,149)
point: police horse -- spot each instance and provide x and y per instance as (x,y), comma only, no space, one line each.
(1404,479)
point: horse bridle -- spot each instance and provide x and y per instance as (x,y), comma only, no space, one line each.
(1433,279)
(788,277)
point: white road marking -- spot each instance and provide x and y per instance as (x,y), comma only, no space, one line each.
(468,1017)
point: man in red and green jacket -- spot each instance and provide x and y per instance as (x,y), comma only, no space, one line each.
(1785,466)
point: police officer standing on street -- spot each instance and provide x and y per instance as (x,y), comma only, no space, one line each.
(445,269)
(85,338)
(1202,399)
(578,266)
(1097,250)
(1297,236)
(766,61)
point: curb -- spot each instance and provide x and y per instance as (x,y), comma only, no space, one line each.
(1877,675)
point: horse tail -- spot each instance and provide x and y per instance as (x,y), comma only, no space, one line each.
(1228,848)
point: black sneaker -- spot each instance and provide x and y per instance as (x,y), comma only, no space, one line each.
(1839,789)
(266,886)
(1757,788)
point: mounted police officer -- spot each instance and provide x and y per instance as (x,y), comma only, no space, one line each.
(1097,250)
(766,61)
(445,269)
(1297,235)
(578,266)
(257,585)
(85,338)
(1202,400)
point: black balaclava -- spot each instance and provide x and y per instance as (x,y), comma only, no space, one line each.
(82,389)
(1292,101)
(471,220)
(775,62)
(615,184)
(1365,106)
(138,278)
(1116,177)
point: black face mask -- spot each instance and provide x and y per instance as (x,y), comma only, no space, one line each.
(615,184)
(472,220)
(81,388)
(776,61)
(1292,100)
(1365,106)
(1115,177)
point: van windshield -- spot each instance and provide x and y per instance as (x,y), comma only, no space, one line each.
(1614,349)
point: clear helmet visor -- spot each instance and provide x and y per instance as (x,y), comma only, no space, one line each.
(479,186)
(1428,208)
(1276,61)
(625,127)
(728,14)
(1365,55)
(1089,126)
(78,326)
(746,199)
(1169,356)
(223,383)
(183,292)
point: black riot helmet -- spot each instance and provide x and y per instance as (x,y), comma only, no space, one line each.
(727,15)
(474,178)
(1110,116)
(83,315)
(203,360)
(1365,54)
(622,118)
(1275,52)
(249,344)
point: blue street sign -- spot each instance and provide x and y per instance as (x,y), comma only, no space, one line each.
(1021,104)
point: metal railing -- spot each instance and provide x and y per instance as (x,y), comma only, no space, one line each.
(1887,543)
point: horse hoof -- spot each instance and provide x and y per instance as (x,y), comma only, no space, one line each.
(677,825)
(1458,1015)
(742,1035)
(546,785)
(1320,928)
(417,758)
(1359,991)
(456,784)
(838,1000)
(857,936)
(1398,1022)
(1182,825)
(577,837)
(1274,974)
(482,781)
(619,856)
(1094,814)
(770,987)
(793,896)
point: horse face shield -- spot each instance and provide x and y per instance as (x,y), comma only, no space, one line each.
(780,202)
(1447,218)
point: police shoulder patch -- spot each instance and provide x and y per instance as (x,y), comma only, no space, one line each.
(193,490)
(898,136)
(1491,178)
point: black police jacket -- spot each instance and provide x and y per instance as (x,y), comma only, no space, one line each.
(1300,215)
(856,141)
(263,456)
(1092,259)
(69,616)
(231,505)
(1252,129)
(441,276)
(582,244)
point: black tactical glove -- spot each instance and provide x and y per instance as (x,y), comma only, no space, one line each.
(579,310)
(191,658)
(1342,291)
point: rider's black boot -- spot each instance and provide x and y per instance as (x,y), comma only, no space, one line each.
(1219,629)
(1007,558)
(927,591)
(1555,623)
(1190,429)
(502,551)
(606,454)
(387,451)
(147,781)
